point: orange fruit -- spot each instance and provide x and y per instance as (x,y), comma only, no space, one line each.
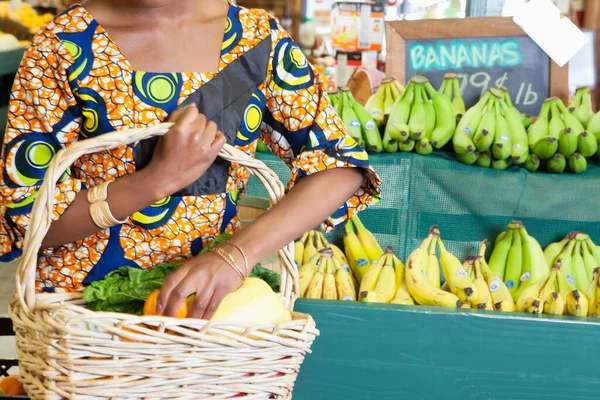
(11,385)
(151,301)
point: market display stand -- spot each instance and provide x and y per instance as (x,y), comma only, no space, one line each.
(380,352)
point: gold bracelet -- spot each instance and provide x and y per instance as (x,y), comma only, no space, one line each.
(99,208)
(243,255)
(229,260)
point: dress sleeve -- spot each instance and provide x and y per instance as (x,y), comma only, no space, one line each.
(301,127)
(42,119)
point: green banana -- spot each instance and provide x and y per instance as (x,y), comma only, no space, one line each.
(445,122)
(397,125)
(350,119)
(594,126)
(566,260)
(568,141)
(467,126)
(407,145)
(446,90)
(375,106)
(556,125)
(499,257)
(485,159)
(577,163)
(518,135)
(533,163)
(430,114)
(501,148)
(500,165)
(534,263)
(417,122)
(526,119)
(389,145)
(469,158)
(388,102)
(484,136)
(514,264)
(539,128)
(580,273)
(587,144)
(423,147)
(396,89)
(553,250)
(545,148)
(370,132)
(457,100)
(584,110)
(556,164)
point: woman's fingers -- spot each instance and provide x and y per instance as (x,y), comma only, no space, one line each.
(201,301)
(217,297)
(168,288)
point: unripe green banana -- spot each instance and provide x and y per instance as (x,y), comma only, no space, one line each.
(500,164)
(350,119)
(506,96)
(502,143)
(556,164)
(467,126)
(469,158)
(583,111)
(539,128)
(545,148)
(485,159)
(594,126)
(398,121)
(417,122)
(445,122)
(370,133)
(486,131)
(423,147)
(396,89)
(389,145)
(375,107)
(457,100)
(430,114)
(407,145)
(499,256)
(568,141)
(518,135)
(533,163)
(526,119)
(556,125)
(446,90)
(577,163)
(388,102)
(588,145)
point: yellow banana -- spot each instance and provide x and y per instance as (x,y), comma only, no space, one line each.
(345,287)
(399,268)
(306,272)
(577,304)
(371,277)
(555,305)
(592,296)
(386,284)
(403,295)
(501,297)
(432,270)
(530,295)
(356,254)
(483,300)
(418,285)
(309,247)
(299,250)
(329,284)
(315,288)
(367,240)
(553,250)
(579,270)
(458,279)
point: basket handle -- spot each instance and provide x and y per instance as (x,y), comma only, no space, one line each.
(44,204)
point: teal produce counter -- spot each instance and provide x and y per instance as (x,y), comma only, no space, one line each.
(381,352)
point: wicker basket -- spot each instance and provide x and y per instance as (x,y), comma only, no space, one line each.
(68,351)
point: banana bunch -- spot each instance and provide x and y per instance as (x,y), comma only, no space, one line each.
(491,133)
(381,103)
(357,120)
(451,89)
(579,258)
(361,247)
(553,294)
(421,119)
(422,275)
(559,139)
(518,259)
(593,127)
(592,293)
(323,277)
(581,107)
(384,281)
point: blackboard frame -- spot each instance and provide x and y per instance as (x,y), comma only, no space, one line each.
(398,32)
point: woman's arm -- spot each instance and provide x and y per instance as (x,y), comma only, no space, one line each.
(309,202)
(182,155)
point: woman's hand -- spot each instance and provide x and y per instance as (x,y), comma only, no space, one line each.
(208,276)
(186,151)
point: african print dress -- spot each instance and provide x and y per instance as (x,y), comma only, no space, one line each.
(74,83)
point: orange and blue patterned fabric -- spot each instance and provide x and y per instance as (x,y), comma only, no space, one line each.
(74,83)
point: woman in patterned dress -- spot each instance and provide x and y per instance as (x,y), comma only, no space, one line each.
(93,70)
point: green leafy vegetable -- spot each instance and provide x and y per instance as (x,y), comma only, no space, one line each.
(126,289)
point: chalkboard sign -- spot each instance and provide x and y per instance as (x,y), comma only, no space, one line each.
(484,52)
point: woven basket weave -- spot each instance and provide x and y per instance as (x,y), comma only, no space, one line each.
(68,351)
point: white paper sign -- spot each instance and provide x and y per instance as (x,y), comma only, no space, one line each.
(556,34)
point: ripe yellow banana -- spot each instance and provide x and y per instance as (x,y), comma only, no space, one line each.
(371,277)
(553,250)
(579,269)
(309,247)
(386,284)
(345,288)
(576,302)
(483,300)
(315,288)
(329,284)
(531,294)
(458,279)
(367,240)
(299,250)
(356,254)
(403,295)
(592,296)
(501,298)
(432,270)
(306,273)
